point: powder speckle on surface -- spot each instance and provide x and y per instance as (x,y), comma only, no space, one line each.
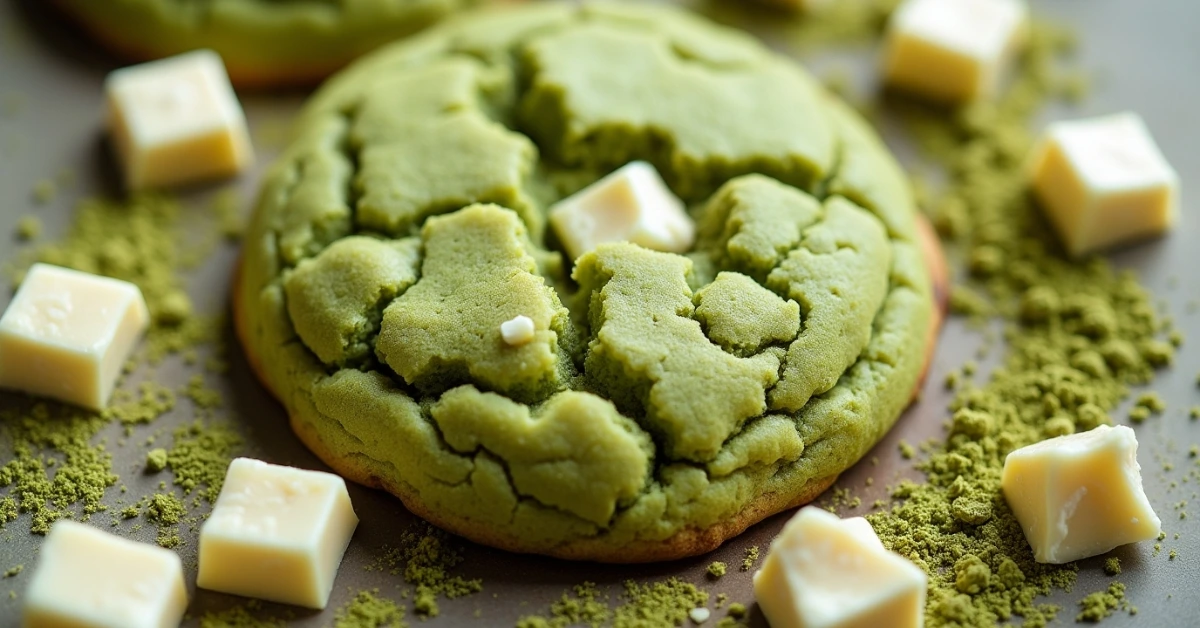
(750,559)
(425,558)
(12,572)
(28,227)
(368,610)
(657,604)
(1112,566)
(582,607)
(716,569)
(241,616)
(1099,605)
(201,455)
(165,511)
(45,191)
(156,460)
(54,465)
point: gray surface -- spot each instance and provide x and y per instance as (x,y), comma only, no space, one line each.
(1144,56)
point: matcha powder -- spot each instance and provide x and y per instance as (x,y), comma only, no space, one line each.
(1078,333)
(60,466)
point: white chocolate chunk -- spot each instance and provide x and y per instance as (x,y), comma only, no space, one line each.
(87,578)
(517,331)
(177,121)
(276,533)
(632,204)
(66,334)
(699,614)
(823,572)
(1103,182)
(1080,495)
(953,51)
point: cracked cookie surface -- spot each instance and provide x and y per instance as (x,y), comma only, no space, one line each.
(665,401)
(263,42)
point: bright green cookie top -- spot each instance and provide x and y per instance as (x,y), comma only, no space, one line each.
(263,42)
(661,393)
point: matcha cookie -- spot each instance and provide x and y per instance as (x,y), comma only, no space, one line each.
(263,42)
(665,402)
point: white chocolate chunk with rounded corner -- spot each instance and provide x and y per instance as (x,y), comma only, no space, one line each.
(953,51)
(66,334)
(699,614)
(823,572)
(518,331)
(632,204)
(87,578)
(1103,182)
(276,533)
(1080,495)
(177,121)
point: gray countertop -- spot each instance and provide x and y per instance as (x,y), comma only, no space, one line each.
(1144,56)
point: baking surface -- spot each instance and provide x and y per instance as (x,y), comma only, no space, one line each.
(1142,56)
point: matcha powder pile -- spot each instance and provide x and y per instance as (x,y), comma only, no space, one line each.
(1078,333)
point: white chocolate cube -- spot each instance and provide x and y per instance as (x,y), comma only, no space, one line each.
(823,572)
(518,331)
(1103,182)
(276,533)
(86,578)
(630,205)
(177,121)
(66,334)
(953,51)
(1080,495)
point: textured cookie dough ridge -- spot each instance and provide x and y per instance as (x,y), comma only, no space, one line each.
(698,538)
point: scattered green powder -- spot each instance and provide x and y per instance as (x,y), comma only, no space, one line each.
(165,511)
(425,558)
(226,205)
(201,394)
(151,401)
(716,569)
(201,456)
(1172,555)
(156,460)
(1112,566)
(14,571)
(906,450)
(241,616)
(583,607)
(28,227)
(54,465)
(737,609)
(1099,605)
(1078,334)
(750,559)
(44,191)
(657,604)
(368,610)
(137,240)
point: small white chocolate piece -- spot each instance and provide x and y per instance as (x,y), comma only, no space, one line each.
(823,572)
(87,578)
(66,334)
(276,533)
(176,121)
(632,204)
(517,331)
(1080,495)
(699,614)
(953,51)
(1103,182)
